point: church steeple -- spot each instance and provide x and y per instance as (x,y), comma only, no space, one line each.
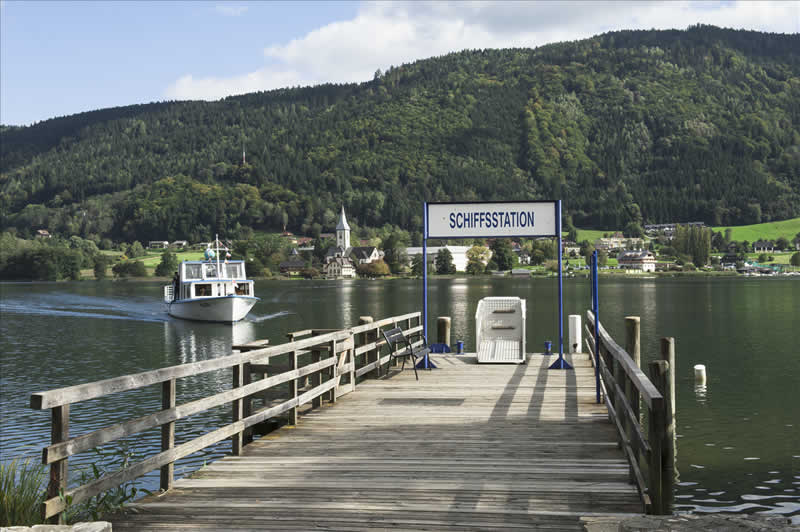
(343,232)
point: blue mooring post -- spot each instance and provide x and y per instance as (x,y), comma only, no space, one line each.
(596,311)
(425,363)
(560,363)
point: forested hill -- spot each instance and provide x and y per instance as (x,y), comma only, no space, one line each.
(632,126)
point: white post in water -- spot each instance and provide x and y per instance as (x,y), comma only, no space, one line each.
(575,333)
(700,373)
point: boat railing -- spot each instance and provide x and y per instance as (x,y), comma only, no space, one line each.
(334,362)
(169,293)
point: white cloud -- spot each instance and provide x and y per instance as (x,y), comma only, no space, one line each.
(383,34)
(231,10)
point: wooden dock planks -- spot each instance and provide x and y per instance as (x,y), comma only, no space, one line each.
(467,447)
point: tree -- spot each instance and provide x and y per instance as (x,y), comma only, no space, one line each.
(444,262)
(537,257)
(795,260)
(633,230)
(374,269)
(762,258)
(168,264)
(588,251)
(477,258)
(136,250)
(100,266)
(394,250)
(602,257)
(502,254)
(133,268)
(782,243)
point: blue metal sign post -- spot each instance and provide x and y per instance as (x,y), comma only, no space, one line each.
(499,220)
(596,311)
(560,363)
(425,363)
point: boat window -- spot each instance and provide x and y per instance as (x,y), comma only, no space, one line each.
(243,289)
(210,270)
(192,271)
(202,290)
(235,271)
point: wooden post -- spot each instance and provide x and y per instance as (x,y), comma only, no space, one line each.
(334,370)
(364,340)
(658,411)
(167,432)
(238,381)
(316,378)
(633,348)
(247,407)
(443,330)
(293,388)
(59,432)
(670,447)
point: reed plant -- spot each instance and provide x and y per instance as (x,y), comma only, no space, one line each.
(22,491)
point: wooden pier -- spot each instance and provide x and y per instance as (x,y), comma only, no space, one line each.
(466,447)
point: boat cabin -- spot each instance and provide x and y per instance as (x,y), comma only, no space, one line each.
(213,279)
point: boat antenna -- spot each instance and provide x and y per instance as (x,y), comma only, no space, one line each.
(216,243)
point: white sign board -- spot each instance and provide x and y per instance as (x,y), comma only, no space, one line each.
(501,219)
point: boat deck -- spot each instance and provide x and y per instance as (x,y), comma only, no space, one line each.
(467,447)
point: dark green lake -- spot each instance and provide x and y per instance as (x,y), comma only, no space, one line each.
(739,437)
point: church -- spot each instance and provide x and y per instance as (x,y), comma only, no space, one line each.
(342,259)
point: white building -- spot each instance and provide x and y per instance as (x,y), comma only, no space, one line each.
(459,255)
(339,268)
(633,261)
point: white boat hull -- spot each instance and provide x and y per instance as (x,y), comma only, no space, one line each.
(225,309)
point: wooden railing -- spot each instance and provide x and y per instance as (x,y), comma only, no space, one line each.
(332,360)
(624,387)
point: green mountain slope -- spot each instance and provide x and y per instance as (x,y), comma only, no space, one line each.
(634,126)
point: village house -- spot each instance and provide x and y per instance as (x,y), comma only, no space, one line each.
(763,246)
(293,266)
(42,233)
(179,244)
(618,242)
(637,261)
(339,268)
(158,244)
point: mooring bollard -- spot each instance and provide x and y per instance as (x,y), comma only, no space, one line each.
(575,341)
(700,373)
(443,330)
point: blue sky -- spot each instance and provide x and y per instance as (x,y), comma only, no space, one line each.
(59,58)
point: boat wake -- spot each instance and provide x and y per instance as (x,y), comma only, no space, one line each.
(265,317)
(70,305)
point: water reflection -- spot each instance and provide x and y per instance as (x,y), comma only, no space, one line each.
(701,393)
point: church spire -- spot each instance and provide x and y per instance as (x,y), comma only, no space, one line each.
(343,232)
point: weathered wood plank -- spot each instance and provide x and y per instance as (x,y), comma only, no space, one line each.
(467,448)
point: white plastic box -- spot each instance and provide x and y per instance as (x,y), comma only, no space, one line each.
(500,330)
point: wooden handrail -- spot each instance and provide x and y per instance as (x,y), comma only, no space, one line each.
(623,384)
(335,354)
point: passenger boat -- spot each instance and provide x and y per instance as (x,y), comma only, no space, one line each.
(211,289)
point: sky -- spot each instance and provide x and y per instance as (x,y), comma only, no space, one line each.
(60,58)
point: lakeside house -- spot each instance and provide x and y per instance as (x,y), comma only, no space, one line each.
(180,244)
(43,233)
(293,266)
(158,244)
(339,268)
(637,261)
(763,246)
(618,242)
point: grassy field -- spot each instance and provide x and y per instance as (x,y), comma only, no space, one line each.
(592,234)
(769,231)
